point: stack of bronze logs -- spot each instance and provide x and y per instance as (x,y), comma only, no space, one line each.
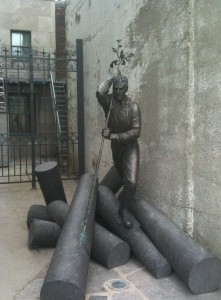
(156,242)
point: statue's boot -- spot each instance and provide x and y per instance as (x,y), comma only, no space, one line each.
(126,219)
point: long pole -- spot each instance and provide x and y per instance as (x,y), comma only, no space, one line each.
(95,178)
(32,117)
(80,106)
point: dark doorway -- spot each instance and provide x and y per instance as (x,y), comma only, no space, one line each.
(19,114)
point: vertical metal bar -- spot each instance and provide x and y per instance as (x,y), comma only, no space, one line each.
(32,117)
(20,161)
(7,126)
(43,58)
(6,65)
(44,98)
(68,157)
(26,159)
(46,149)
(49,64)
(8,147)
(74,170)
(40,151)
(2,158)
(14,158)
(80,106)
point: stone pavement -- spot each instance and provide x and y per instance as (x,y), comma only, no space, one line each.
(22,271)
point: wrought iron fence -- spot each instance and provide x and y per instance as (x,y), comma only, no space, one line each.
(16,154)
(26,74)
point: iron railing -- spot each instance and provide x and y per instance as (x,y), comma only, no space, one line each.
(17,65)
(16,153)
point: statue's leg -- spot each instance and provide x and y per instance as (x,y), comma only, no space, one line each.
(112,180)
(130,165)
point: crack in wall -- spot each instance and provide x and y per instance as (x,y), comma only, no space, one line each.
(194,209)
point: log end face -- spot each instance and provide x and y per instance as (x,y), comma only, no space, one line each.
(163,270)
(31,235)
(46,167)
(205,276)
(119,255)
(57,290)
(43,234)
(37,212)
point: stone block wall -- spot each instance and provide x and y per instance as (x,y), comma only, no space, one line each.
(37,16)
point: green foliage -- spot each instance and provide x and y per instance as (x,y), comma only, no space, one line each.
(122,57)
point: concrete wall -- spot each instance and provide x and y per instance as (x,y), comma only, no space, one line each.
(37,16)
(175,78)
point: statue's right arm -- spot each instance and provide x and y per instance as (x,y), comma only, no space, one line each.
(103,87)
(102,93)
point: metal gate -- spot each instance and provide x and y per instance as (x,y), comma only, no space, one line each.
(35,108)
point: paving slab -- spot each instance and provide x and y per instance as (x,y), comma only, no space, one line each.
(170,288)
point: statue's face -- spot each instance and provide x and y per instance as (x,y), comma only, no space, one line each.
(120,87)
(119,92)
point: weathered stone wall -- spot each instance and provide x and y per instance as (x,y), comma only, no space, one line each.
(175,79)
(207,124)
(37,16)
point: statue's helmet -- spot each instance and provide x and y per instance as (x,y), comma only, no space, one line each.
(120,81)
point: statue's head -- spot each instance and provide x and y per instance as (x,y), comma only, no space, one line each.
(120,86)
(120,81)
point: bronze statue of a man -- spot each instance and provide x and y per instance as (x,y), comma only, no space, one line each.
(123,129)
